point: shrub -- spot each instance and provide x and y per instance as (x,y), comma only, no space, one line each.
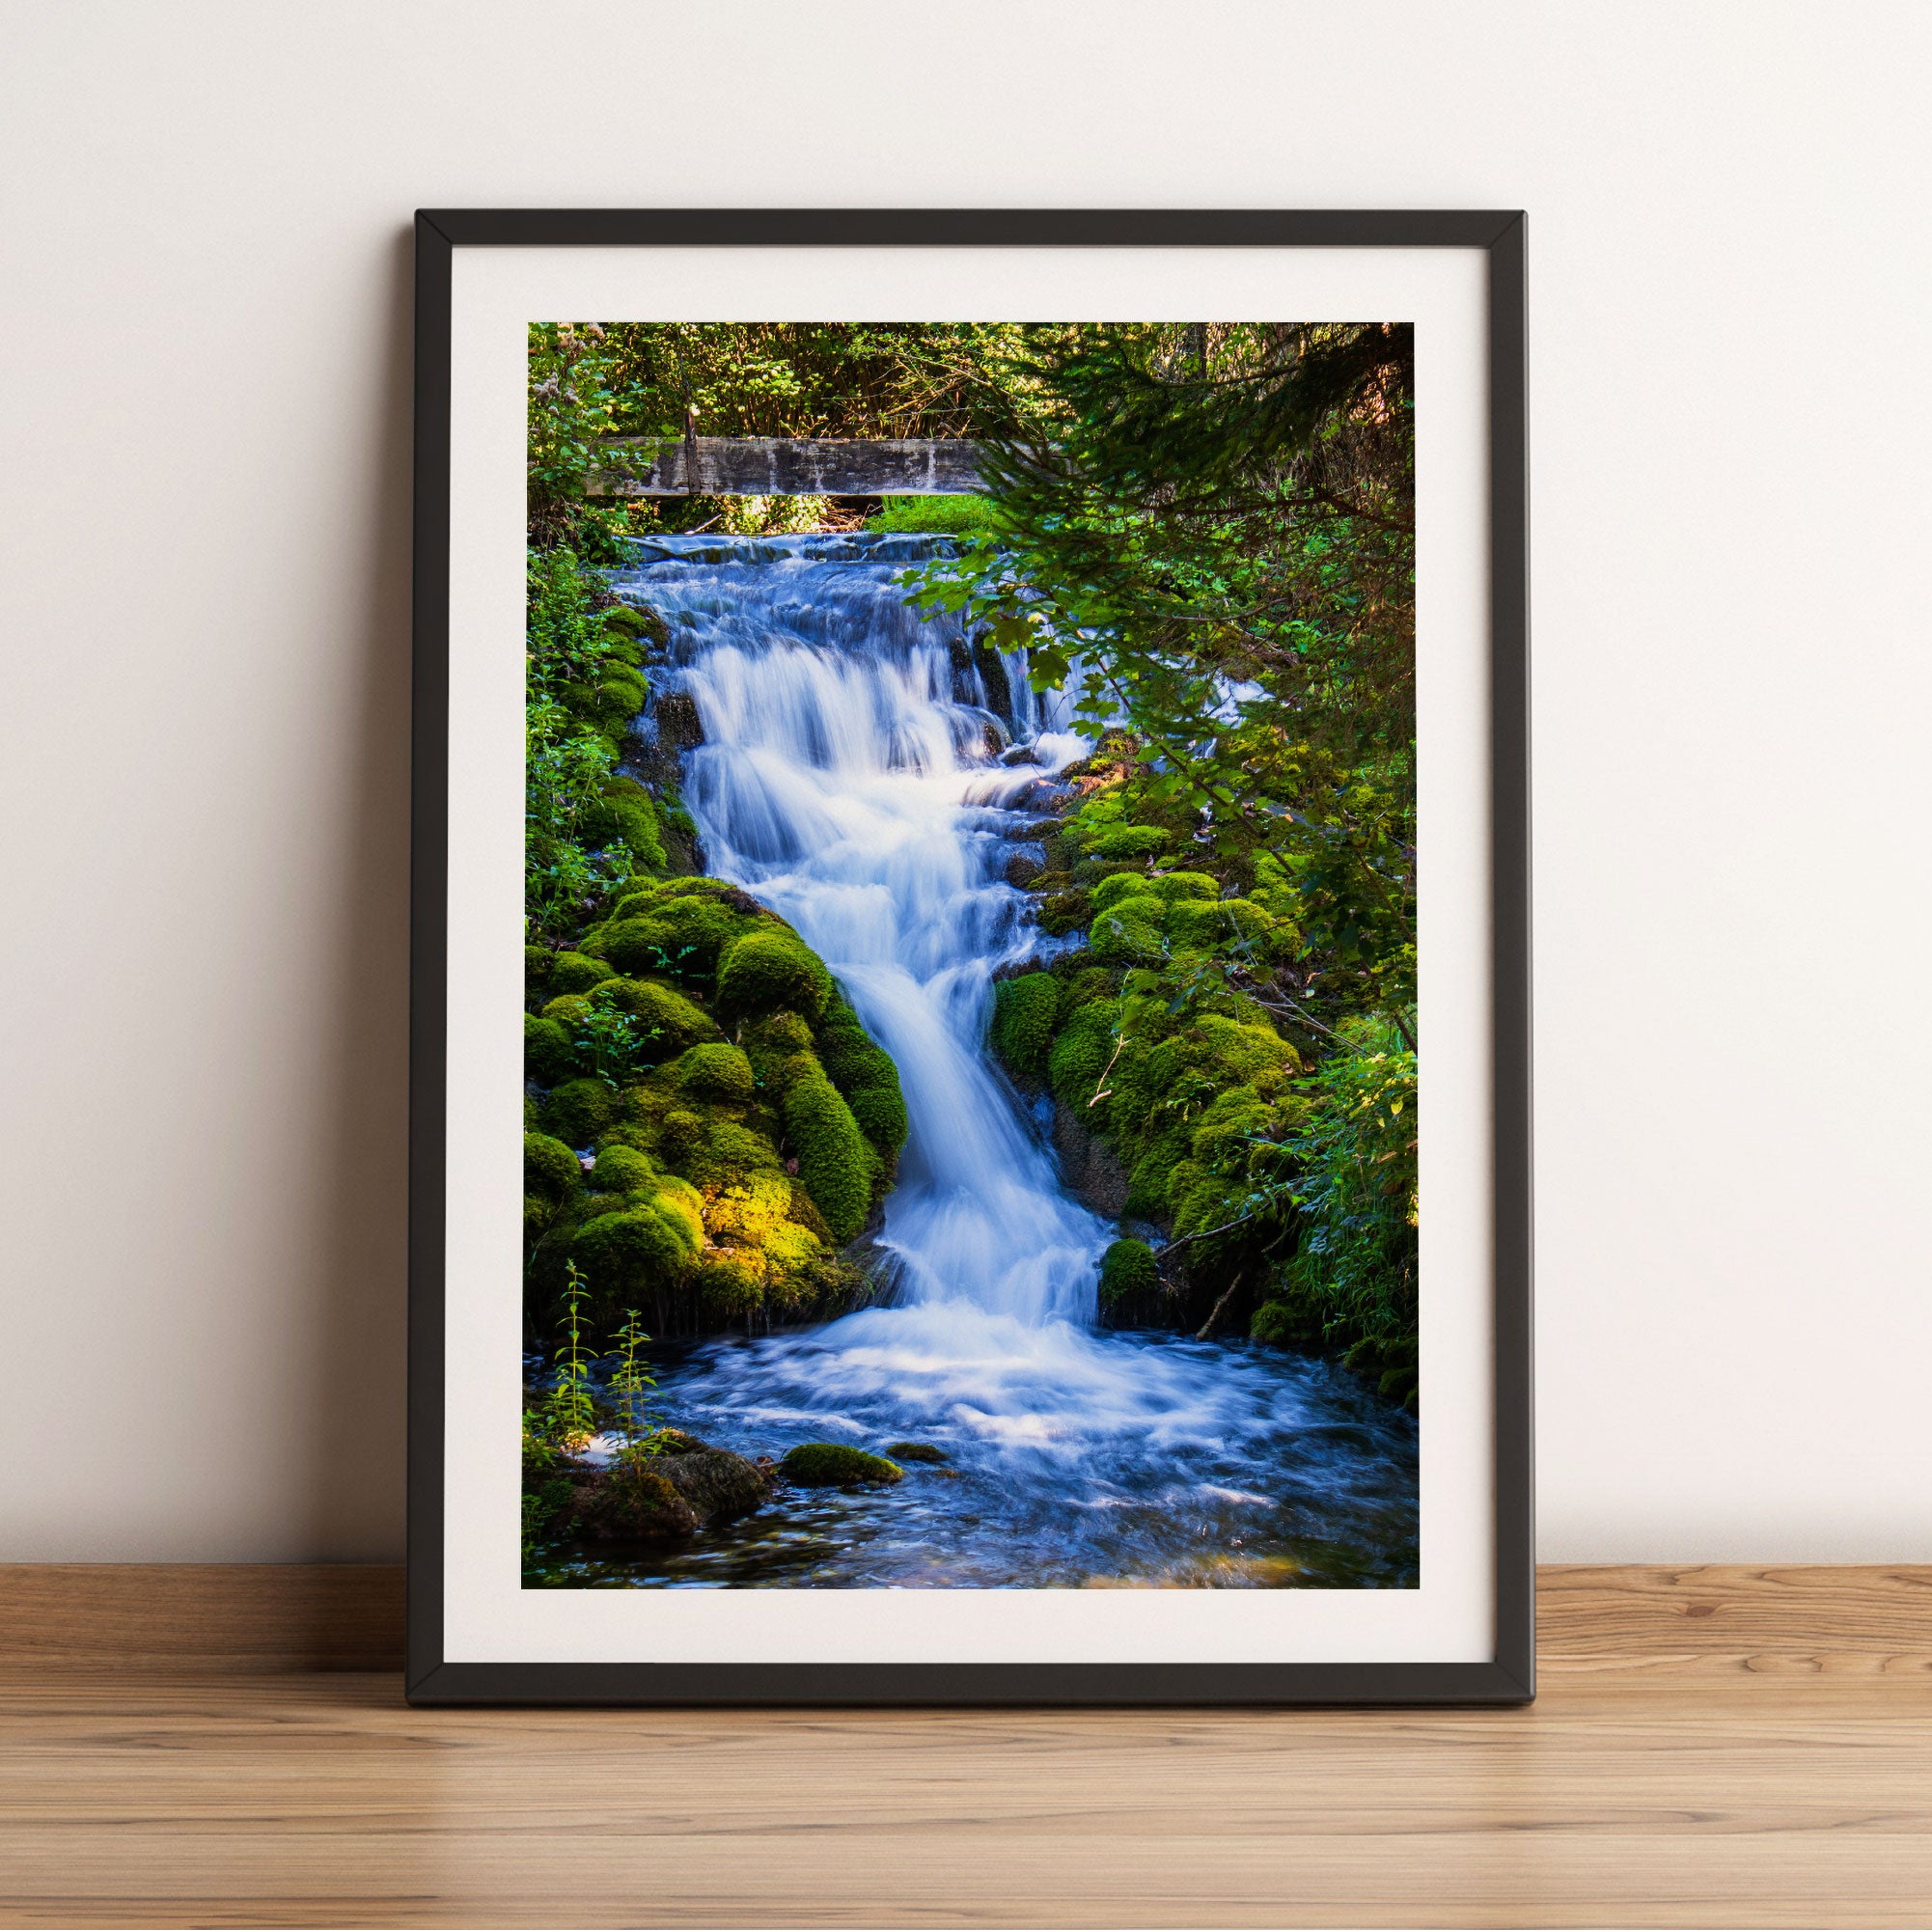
(714,1072)
(767,971)
(1127,1268)
(550,1168)
(1024,1009)
(832,1154)
(550,1052)
(578,1110)
(829,1464)
(573,972)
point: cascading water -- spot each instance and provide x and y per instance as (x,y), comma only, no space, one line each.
(848,778)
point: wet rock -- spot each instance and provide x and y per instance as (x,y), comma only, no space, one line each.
(916,1450)
(1026,864)
(678,726)
(1091,1172)
(831,1464)
(713,1482)
(622,1504)
(1020,753)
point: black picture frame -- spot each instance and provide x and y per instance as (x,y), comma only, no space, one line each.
(1509,1677)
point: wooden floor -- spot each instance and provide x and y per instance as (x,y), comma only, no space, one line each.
(1712,1746)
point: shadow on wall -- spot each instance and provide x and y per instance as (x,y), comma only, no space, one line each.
(354,1382)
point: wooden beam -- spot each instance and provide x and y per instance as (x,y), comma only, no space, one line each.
(784,466)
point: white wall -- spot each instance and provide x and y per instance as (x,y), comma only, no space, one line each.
(204,387)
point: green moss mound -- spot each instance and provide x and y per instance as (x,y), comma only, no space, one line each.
(833,1161)
(1127,934)
(829,1464)
(917,1450)
(668,1022)
(880,1113)
(551,1171)
(550,1052)
(1024,1009)
(720,1072)
(622,1168)
(769,970)
(573,972)
(1128,1269)
(1171,886)
(1121,886)
(578,1110)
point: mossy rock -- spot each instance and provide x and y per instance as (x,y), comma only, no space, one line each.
(1173,886)
(639,620)
(880,1111)
(1118,889)
(728,1284)
(1221,926)
(622,1168)
(772,971)
(574,972)
(1024,1011)
(918,1450)
(623,819)
(637,1251)
(1126,934)
(625,1504)
(550,1168)
(830,1464)
(1117,844)
(549,1051)
(670,1022)
(780,1033)
(832,1154)
(536,962)
(717,1484)
(720,1072)
(578,1110)
(1128,1270)
(1080,1055)
(1061,912)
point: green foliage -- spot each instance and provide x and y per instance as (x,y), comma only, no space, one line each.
(1128,1270)
(1024,1009)
(631,1383)
(938,515)
(570,1411)
(830,1464)
(834,1161)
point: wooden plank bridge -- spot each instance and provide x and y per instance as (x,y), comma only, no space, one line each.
(718,465)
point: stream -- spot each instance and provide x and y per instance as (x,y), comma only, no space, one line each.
(850,777)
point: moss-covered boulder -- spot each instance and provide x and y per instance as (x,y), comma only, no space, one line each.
(772,971)
(622,1168)
(1024,1009)
(716,1484)
(668,1022)
(720,1072)
(922,1451)
(830,1464)
(834,1160)
(550,1168)
(578,1110)
(882,1115)
(1116,889)
(1128,1270)
(549,1051)
(622,1504)
(573,972)
(1127,934)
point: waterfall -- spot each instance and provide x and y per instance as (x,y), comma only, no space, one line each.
(854,776)
(849,779)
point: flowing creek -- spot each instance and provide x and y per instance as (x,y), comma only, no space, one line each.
(849,778)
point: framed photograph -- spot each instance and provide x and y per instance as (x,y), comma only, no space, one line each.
(970,1065)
